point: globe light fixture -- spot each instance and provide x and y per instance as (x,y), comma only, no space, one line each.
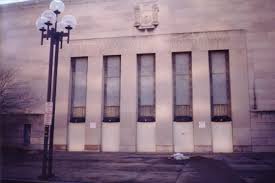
(57,6)
(56,31)
(50,16)
(41,23)
(69,21)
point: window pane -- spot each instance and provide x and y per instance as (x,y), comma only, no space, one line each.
(111,112)
(147,111)
(79,112)
(221,110)
(146,88)
(183,110)
(146,91)
(113,66)
(80,81)
(220,99)
(182,63)
(219,89)
(111,89)
(218,60)
(79,87)
(147,65)
(183,96)
(182,87)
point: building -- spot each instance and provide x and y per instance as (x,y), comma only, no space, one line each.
(152,75)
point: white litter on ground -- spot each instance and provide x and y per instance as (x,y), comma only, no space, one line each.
(179,156)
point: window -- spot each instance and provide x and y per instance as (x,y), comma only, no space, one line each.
(146,87)
(220,86)
(79,87)
(111,89)
(27,134)
(182,86)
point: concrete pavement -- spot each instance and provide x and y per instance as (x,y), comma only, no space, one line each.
(143,167)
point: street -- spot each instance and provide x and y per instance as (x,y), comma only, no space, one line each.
(143,167)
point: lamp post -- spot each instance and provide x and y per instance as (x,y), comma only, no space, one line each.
(51,29)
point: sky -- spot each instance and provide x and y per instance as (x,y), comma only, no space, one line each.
(10,1)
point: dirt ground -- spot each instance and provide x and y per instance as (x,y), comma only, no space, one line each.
(142,168)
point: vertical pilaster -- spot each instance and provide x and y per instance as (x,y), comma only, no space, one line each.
(164,102)
(62,102)
(201,101)
(128,102)
(239,97)
(94,103)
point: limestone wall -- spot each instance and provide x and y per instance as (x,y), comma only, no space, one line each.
(98,20)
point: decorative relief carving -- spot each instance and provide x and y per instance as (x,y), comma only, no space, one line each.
(176,42)
(146,16)
(206,40)
(205,37)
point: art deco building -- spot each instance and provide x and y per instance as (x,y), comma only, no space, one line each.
(150,75)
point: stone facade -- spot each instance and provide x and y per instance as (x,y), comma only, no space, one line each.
(12,131)
(245,28)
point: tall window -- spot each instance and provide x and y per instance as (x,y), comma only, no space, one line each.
(220,85)
(79,88)
(182,86)
(146,88)
(111,89)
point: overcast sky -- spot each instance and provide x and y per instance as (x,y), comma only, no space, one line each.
(10,1)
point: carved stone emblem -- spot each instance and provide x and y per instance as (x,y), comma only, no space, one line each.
(146,16)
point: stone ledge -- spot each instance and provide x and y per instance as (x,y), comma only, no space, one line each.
(130,148)
(164,148)
(242,148)
(203,148)
(92,148)
(60,147)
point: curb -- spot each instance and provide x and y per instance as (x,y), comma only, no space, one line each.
(3,180)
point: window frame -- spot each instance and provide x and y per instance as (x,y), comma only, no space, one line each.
(182,118)
(77,119)
(146,118)
(228,117)
(105,61)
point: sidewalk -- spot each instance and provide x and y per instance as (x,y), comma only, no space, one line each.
(146,168)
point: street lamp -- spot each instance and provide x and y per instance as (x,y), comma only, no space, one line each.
(54,30)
